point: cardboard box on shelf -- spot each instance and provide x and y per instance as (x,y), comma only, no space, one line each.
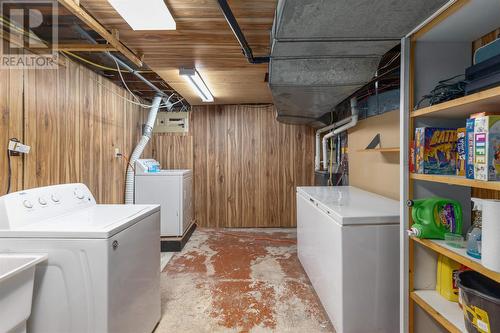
(461,151)
(412,156)
(435,150)
(487,148)
(469,149)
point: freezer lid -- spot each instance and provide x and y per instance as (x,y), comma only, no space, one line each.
(99,221)
(349,205)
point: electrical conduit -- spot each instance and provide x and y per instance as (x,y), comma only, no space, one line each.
(139,149)
(350,122)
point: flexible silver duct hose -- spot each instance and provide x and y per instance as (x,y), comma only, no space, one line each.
(139,149)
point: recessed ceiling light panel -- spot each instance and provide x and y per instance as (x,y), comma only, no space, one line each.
(145,14)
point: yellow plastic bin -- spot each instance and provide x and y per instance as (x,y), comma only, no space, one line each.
(480,298)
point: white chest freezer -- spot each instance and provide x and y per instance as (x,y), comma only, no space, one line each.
(348,244)
(171,189)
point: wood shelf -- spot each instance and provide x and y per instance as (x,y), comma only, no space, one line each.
(483,101)
(458,255)
(380,150)
(457,180)
(447,313)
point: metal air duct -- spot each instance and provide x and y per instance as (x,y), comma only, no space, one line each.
(323,51)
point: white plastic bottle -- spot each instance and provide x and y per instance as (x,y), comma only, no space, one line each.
(474,234)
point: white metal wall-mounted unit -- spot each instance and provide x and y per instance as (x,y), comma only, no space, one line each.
(172,122)
(171,189)
(102,273)
(349,246)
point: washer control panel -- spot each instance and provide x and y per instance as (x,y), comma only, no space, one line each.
(33,205)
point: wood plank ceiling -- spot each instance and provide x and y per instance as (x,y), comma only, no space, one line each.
(203,40)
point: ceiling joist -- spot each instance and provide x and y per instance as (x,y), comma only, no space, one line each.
(84,47)
(74,7)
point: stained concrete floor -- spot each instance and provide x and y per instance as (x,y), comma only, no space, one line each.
(234,280)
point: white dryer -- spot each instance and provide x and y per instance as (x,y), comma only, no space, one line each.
(171,189)
(102,273)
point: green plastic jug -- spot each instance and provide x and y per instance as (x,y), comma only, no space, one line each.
(434,217)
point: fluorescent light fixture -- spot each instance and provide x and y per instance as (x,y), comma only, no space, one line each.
(194,80)
(145,14)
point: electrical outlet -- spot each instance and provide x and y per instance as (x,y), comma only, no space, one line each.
(17,147)
(117,152)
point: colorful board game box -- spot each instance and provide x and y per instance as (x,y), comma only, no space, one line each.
(461,152)
(412,156)
(469,149)
(487,148)
(435,150)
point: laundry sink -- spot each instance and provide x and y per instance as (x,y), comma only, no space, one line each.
(17,274)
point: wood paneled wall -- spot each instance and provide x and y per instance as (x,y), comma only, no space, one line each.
(174,151)
(246,165)
(73,119)
(11,125)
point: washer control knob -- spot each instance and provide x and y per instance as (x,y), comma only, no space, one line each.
(42,201)
(55,198)
(27,204)
(79,194)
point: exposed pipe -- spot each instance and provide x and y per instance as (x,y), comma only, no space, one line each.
(235,27)
(317,156)
(137,74)
(353,120)
(139,149)
(325,153)
(339,151)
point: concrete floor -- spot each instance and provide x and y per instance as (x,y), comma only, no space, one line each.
(234,280)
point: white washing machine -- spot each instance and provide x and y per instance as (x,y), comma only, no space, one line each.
(102,273)
(348,244)
(171,189)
